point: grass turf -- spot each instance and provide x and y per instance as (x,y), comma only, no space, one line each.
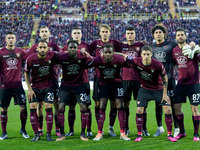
(16,141)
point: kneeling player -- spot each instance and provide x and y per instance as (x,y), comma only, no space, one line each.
(152,88)
(41,67)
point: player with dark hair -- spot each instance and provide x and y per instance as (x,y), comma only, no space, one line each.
(97,50)
(110,87)
(152,88)
(38,75)
(72,85)
(11,59)
(130,76)
(188,84)
(162,51)
(82,46)
(44,34)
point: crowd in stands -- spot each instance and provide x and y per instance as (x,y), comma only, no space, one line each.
(61,29)
(21,26)
(119,7)
(70,3)
(186,2)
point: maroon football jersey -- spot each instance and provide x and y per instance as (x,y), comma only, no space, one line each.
(10,67)
(41,70)
(188,69)
(109,72)
(132,51)
(86,47)
(72,70)
(97,49)
(52,47)
(150,75)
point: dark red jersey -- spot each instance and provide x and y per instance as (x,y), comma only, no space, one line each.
(109,72)
(188,69)
(150,75)
(41,70)
(10,67)
(132,51)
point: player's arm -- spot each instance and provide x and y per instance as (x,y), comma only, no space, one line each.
(31,93)
(121,54)
(165,85)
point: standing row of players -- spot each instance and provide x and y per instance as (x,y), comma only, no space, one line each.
(143,73)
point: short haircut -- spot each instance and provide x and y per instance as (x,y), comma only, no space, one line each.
(108,46)
(130,28)
(72,41)
(105,26)
(160,27)
(42,27)
(43,41)
(181,29)
(10,32)
(76,28)
(146,48)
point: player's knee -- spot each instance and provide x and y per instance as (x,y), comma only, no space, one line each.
(195,110)
(33,105)
(4,109)
(23,107)
(177,109)
(97,104)
(140,110)
(167,109)
(83,107)
(113,104)
(48,105)
(40,105)
(61,106)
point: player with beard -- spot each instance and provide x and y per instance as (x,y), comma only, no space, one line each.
(77,35)
(44,34)
(188,84)
(38,75)
(11,59)
(152,88)
(130,76)
(97,50)
(110,87)
(162,51)
(72,85)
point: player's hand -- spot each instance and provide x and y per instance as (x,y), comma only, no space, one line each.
(196,49)
(192,45)
(30,95)
(85,53)
(186,50)
(167,99)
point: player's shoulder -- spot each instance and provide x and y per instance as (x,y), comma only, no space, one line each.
(32,57)
(156,62)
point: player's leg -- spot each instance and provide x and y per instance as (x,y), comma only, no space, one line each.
(5,99)
(40,117)
(127,113)
(112,118)
(71,117)
(103,105)
(95,98)
(196,120)
(139,122)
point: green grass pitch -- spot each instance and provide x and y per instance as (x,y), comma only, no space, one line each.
(15,140)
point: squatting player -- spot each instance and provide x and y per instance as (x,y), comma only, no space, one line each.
(38,76)
(152,88)
(110,87)
(77,35)
(11,59)
(97,47)
(72,85)
(44,34)
(188,84)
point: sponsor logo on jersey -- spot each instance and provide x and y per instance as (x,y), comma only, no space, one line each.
(160,55)
(109,73)
(73,69)
(146,76)
(132,54)
(44,70)
(12,62)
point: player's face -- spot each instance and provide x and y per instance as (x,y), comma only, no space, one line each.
(42,49)
(130,35)
(10,39)
(104,33)
(44,33)
(159,35)
(146,56)
(180,37)
(76,35)
(72,49)
(108,54)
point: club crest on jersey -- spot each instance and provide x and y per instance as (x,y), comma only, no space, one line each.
(18,54)
(160,56)
(165,47)
(137,48)
(132,54)
(50,48)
